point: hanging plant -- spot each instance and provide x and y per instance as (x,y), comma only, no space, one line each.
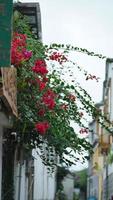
(47,104)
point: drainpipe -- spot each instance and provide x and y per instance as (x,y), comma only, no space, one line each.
(43,180)
(107,182)
(1,133)
(20,170)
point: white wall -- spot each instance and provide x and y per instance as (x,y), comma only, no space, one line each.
(110,75)
(19,175)
(44,183)
(68,184)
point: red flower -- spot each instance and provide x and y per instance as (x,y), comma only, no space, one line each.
(51,104)
(42,86)
(49,99)
(58,57)
(19,52)
(40,67)
(42,127)
(16,57)
(50,94)
(45,80)
(41,112)
(40,70)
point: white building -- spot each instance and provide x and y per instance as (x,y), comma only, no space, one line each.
(68,186)
(32,180)
(44,181)
(100,180)
(108,102)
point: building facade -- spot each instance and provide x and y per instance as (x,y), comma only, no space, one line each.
(100,171)
(108,110)
(68,186)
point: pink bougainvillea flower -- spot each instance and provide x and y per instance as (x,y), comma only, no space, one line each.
(42,127)
(27,54)
(83,130)
(92,77)
(72,97)
(64,106)
(81,114)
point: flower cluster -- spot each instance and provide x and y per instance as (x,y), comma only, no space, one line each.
(19,53)
(42,127)
(47,99)
(41,84)
(92,77)
(40,67)
(58,57)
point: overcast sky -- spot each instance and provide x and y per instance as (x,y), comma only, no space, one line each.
(83,23)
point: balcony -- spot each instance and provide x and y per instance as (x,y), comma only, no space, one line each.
(8,89)
(104,143)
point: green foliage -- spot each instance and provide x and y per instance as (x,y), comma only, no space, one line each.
(61,134)
(20,24)
(81,179)
(68,48)
(110,157)
(61,173)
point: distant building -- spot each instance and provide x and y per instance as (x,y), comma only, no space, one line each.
(108,110)
(100,143)
(44,181)
(100,172)
(68,186)
(32,11)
